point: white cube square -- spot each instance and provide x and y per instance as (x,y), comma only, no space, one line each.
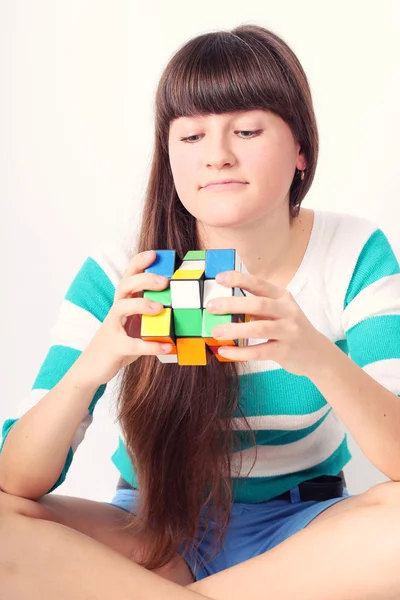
(185,293)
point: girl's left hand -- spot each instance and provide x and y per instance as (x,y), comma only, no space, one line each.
(293,342)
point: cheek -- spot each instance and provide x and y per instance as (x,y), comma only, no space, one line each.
(183,171)
(185,174)
(272,167)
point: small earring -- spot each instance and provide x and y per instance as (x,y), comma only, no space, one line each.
(302,176)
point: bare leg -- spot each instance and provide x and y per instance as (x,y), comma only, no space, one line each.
(43,560)
(351,556)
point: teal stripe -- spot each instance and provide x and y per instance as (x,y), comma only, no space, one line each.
(255,489)
(377,259)
(275,437)
(373,339)
(277,392)
(92,290)
(123,463)
(7,425)
(261,489)
(58,361)
(343,346)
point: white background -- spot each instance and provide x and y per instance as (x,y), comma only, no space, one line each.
(77,84)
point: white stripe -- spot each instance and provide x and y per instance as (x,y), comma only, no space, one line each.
(380,298)
(386,372)
(81,431)
(28,402)
(294,422)
(75,326)
(289,458)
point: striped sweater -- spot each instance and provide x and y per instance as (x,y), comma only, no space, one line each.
(348,286)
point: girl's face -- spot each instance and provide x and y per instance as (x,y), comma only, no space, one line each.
(254,146)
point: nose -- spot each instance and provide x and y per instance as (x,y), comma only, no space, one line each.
(217,153)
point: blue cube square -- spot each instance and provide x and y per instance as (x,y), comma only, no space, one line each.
(165,263)
(218,261)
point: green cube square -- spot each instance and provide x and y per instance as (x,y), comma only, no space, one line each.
(210,321)
(195,255)
(163,296)
(187,322)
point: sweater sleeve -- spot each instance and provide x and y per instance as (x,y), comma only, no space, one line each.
(82,311)
(371,315)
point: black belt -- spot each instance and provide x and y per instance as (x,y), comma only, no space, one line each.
(323,487)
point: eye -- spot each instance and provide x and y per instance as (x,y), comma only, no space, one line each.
(253,134)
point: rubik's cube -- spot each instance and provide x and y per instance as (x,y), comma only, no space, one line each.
(184,321)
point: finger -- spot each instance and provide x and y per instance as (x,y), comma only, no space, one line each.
(253,284)
(140,261)
(250,305)
(139,347)
(260,351)
(140,306)
(253,329)
(140,282)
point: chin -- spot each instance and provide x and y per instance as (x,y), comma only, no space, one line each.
(227,220)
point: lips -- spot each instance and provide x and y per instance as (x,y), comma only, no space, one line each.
(224,186)
(223,182)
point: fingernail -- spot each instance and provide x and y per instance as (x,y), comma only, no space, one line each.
(148,253)
(166,347)
(160,279)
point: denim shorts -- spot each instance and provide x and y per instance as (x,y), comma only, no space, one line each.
(253,528)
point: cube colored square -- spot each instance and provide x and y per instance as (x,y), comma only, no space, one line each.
(158,328)
(195,255)
(187,322)
(211,320)
(193,265)
(165,263)
(192,351)
(218,261)
(163,296)
(213,289)
(186,274)
(221,260)
(186,293)
(168,358)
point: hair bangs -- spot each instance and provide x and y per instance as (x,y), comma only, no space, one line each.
(219,74)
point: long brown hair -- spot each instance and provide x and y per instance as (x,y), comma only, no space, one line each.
(177,421)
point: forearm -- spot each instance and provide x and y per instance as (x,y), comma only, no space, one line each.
(35,449)
(370,411)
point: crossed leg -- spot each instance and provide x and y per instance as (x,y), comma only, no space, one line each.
(352,554)
(351,551)
(98,520)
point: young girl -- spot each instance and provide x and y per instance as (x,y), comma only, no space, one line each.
(231,473)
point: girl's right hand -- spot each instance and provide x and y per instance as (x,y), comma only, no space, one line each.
(115,346)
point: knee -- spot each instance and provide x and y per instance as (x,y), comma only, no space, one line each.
(387,493)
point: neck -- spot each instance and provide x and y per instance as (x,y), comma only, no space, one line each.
(267,246)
